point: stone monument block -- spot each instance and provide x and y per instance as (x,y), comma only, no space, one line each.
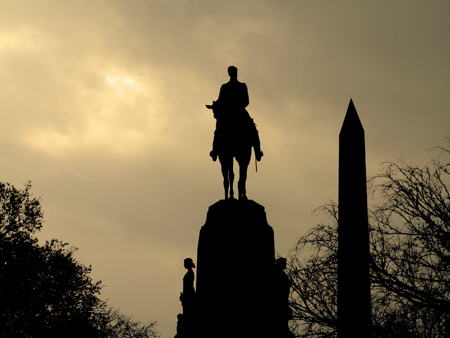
(235,271)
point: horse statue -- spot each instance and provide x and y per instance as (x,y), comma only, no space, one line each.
(233,139)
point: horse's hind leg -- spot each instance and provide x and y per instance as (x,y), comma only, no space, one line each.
(244,161)
(226,183)
(242,183)
(225,187)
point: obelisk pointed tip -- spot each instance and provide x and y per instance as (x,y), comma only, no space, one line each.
(351,120)
(351,104)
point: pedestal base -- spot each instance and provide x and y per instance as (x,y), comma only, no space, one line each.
(235,272)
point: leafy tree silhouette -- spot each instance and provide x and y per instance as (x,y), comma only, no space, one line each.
(410,257)
(44,290)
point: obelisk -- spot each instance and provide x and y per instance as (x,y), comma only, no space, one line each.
(354,305)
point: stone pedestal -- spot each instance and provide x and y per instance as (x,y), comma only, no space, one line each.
(235,272)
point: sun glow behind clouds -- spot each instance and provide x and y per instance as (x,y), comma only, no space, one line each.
(123,84)
(126,121)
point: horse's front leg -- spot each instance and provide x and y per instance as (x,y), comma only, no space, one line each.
(225,168)
(231,177)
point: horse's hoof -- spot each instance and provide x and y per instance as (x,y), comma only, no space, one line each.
(243,198)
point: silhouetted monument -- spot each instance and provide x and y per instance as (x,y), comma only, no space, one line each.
(235,133)
(354,305)
(240,291)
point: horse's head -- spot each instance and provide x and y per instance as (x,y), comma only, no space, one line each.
(217,110)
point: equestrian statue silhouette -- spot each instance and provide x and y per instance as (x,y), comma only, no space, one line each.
(235,134)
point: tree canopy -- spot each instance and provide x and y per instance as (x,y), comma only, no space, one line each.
(44,290)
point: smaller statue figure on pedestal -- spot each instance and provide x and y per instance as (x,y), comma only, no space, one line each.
(187,298)
(188,294)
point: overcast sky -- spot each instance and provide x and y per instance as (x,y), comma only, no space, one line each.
(102,107)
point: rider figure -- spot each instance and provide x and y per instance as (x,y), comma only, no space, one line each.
(230,109)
